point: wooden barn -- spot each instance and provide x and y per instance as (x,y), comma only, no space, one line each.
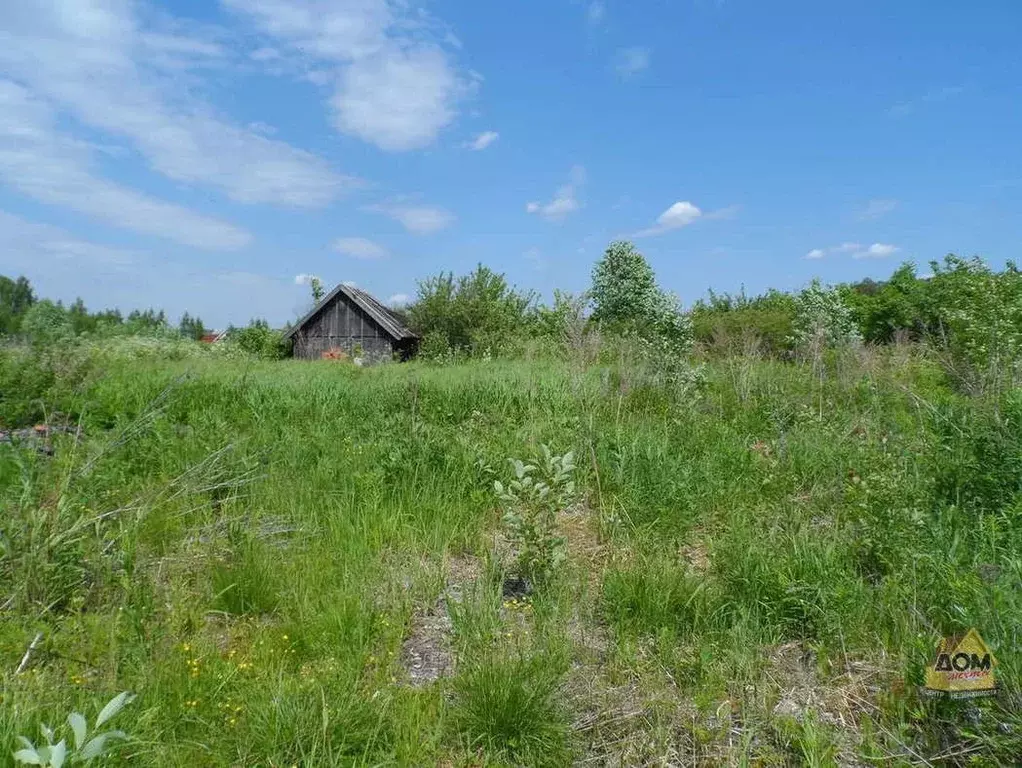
(350,321)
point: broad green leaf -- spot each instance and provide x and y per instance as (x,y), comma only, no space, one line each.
(97,746)
(58,753)
(80,728)
(28,757)
(115,705)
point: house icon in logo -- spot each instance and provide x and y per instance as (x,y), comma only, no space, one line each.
(964,668)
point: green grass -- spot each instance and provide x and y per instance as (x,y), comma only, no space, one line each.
(250,545)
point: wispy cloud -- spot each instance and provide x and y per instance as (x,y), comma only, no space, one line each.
(359,248)
(856,250)
(39,161)
(417,219)
(28,242)
(535,257)
(682,214)
(630,61)
(113,71)
(482,141)
(877,251)
(565,200)
(876,209)
(394,80)
(399,300)
(595,13)
(932,96)
(305,278)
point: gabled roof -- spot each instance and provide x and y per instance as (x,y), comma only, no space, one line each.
(386,319)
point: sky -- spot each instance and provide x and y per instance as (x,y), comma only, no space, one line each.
(209,156)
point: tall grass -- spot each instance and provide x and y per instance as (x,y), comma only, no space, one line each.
(248,545)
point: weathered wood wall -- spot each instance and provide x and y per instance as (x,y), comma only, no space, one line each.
(343,326)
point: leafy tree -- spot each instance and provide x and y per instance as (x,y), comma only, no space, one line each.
(882,309)
(257,338)
(821,315)
(624,289)
(191,327)
(730,320)
(47,323)
(81,320)
(316,286)
(565,314)
(974,312)
(147,323)
(626,300)
(473,312)
(16,297)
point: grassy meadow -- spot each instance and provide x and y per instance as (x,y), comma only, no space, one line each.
(305,564)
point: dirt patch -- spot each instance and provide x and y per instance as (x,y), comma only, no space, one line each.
(426,653)
(696,555)
(841,701)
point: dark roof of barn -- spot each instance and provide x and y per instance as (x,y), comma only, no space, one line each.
(377,311)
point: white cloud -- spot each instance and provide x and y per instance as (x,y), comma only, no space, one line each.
(857,251)
(395,85)
(27,243)
(304,279)
(64,266)
(683,213)
(483,140)
(565,200)
(418,219)
(42,163)
(877,251)
(398,99)
(595,13)
(875,209)
(679,215)
(359,248)
(631,61)
(99,62)
(399,300)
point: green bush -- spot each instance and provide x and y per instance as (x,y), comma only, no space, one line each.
(738,323)
(474,313)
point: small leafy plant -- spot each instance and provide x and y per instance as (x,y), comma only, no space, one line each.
(55,755)
(531,502)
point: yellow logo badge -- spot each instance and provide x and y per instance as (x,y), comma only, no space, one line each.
(963,669)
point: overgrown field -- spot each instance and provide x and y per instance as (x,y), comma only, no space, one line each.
(308,563)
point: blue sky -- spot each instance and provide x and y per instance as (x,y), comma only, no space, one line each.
(204,156)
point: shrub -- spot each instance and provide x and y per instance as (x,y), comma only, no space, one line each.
(472,312)
(258,339)
(734,323)
(822,317)
(627,301)
(975,314)
(531,503)
(46,323)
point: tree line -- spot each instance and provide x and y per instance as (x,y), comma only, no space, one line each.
(961,306)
